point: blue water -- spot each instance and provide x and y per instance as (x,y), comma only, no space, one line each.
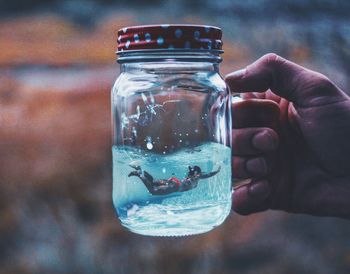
(183,213)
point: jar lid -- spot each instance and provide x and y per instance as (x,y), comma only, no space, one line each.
(169,37)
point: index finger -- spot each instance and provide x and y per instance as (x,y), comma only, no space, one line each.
(284,78)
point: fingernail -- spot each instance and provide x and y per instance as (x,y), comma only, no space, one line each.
(259,189)
(257,166)
(264,141)
(236,75)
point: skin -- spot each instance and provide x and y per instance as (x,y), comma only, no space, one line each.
(291,139)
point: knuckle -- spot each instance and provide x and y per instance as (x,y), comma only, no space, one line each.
(271,133)
(271,56)
(272,59)
(323,82)
(266,140)
(268,130)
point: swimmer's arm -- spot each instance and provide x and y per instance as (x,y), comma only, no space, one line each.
(210,174)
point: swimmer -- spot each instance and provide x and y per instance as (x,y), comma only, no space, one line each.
(173,184)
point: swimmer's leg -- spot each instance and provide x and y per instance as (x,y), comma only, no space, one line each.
(138,168)
(164,188)
(134,173)
(148,176)
(145,177)
(158,187)
(137,172)
(148,181)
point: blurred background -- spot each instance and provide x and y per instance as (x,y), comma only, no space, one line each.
(57,65)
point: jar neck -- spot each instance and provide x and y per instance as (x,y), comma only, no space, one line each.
(171,61)
(183,55)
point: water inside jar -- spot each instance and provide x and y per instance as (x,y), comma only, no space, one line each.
(192,211)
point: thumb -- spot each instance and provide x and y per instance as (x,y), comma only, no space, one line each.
(295,83)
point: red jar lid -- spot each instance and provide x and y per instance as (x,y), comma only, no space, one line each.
(169,37)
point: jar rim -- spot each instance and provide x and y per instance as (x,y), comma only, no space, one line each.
(120,52)
(189,55)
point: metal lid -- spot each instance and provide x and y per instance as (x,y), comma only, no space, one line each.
(169,37)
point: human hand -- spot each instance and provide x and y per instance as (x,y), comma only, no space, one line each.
(291,137)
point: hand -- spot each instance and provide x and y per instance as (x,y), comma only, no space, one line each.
(291,137)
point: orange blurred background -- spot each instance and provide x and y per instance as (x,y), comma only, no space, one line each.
(57,65)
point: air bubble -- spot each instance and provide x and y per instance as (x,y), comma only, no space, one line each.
(149,144)
(163,169)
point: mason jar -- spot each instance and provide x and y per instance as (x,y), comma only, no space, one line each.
(171,120)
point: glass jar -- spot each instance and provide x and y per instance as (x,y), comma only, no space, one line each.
(171,115)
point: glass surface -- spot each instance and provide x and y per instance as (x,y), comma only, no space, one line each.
(171,147)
